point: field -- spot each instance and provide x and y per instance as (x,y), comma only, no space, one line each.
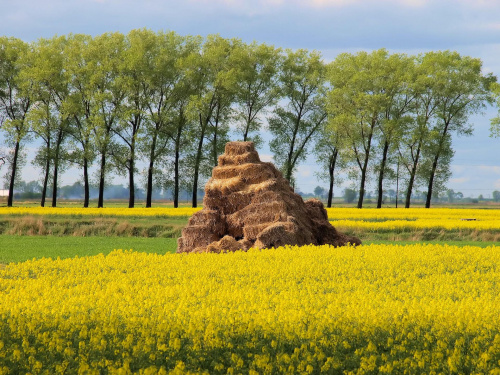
(405,302)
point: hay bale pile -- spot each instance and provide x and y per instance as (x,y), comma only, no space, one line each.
(248,204)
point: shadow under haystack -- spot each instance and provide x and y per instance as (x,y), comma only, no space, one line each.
(249,204)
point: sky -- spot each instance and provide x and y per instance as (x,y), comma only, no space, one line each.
(471,27)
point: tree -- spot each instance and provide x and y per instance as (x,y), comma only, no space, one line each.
(496,196)
(256,86)
(50,89)
(169,90)
(349,195)
(78,105)
(442,172)
(43,124)
(15,101)
(214,81)
(417,131)
(109,92)
(358,102)
(450,193)
(303,112)
(495,122)
(319,191)
(394,72)
(461,91)
(135,72)
(328,154)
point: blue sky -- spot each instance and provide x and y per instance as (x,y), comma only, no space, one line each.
(471,27)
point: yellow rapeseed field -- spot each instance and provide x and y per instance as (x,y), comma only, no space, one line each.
(106,211)
(389,219)
(377,309)
(385,219)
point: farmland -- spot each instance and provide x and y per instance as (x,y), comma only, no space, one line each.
(372,309)
(89,303)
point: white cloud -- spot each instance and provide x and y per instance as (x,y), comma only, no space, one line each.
(260,4)
(459,180)
(490,169)
(339,3)
(303,171)
(496,184)
(458,168)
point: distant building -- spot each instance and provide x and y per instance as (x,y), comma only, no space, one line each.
(4,193)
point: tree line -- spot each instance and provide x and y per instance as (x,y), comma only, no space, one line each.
(172,102)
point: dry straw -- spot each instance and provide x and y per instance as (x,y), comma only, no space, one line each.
(249,204)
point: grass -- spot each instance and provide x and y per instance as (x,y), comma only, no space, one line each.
(20,248)
(24,237)
(337,202)
(73,225)
(450,243)
(429,235)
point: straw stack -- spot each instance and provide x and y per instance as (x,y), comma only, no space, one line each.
(249,204)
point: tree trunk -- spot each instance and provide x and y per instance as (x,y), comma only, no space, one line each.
(197,164)
(363,180)
(56,168)
(149,192)
(86,187)
(131,199)
(176,168)
(216,129)
(431,182)
(381,175)
(331,169)
(412,177)
(434,166)
(131,172)
(13,175)
(362,188)
(46,177)
(100,199)
(247,127)
(365,165)
(54,182)
(288,166)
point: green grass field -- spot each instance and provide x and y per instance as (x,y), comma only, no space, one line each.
(24,237)
(20,248)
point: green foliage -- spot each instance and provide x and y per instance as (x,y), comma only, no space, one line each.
(349,195)
(21,248)
(496,196)
(101,103)
(295,122)
(257,86)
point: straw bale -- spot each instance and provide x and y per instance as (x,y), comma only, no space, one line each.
(266,196)
(225,186)
(250,232)
(238,148)
(251,173)
(209,218)
(275,235)
(245,244)
(227,243)
(316,209)
(248,157)
(258,213)
(249,204)
(271,184)
(195,236)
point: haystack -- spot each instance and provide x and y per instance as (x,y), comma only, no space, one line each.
(249,204)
